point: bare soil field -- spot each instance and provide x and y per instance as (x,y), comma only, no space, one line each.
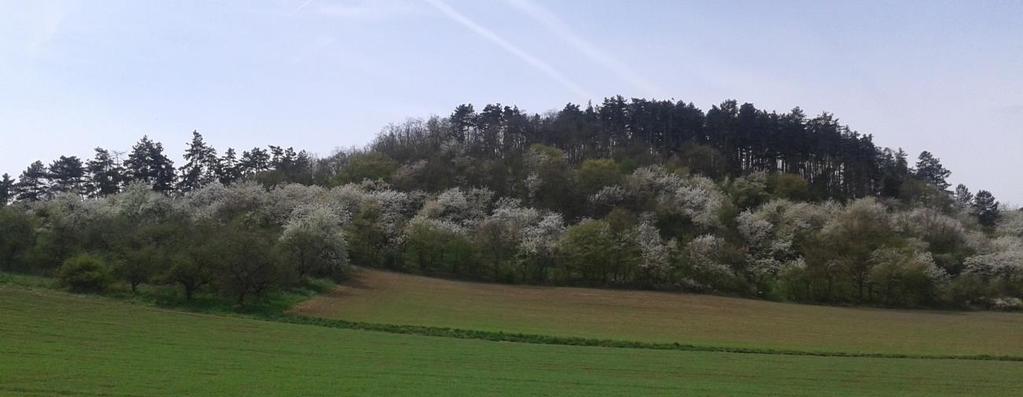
(393,298)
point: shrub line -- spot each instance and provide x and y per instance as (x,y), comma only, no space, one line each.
(498,336)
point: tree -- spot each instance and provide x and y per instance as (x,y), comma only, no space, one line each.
(84,273)
(315,243)
(17,236)
(655,254)
(139,265)
(748,191)
(985,208)
(711,264)
(201,165)
(548,184)
(930,170)
(190,274)
(598,253)
(840,259)
(246,265)
(33,184)
(7,190)
(105,174)
(254,161)
(67,175)
(229,169)
(595,174)
(788,186)
(905,277)
(498,239)
(963,197)
(463,121)
(368,165)
(146,163)
(197,259)
(367,237)
(435,246)
(895,169)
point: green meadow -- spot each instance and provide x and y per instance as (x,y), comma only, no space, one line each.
(54,343)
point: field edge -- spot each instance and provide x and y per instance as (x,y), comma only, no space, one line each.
(496,336)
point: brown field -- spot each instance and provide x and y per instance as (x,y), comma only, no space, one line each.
(383,297)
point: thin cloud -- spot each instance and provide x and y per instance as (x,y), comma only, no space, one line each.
(488,34)
(563,31)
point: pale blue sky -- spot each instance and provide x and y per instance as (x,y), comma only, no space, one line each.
(323,74)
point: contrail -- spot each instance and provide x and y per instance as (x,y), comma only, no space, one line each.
(507,46)
(303,5)
(562,30)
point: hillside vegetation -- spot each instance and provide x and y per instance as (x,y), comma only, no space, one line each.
(640,194)
(59,344)
(393,298)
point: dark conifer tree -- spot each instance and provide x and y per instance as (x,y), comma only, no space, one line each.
(201,165)
(930,170)
(33,183)
(281,158)
(985,207)
(614,126)
(105,174)
(254,161)
(463,123)
(6,190)
(67,175)
(894,170)
(228,169)
(146,163)
(963,197)
(489,126)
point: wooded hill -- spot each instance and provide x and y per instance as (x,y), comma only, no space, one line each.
(630,193)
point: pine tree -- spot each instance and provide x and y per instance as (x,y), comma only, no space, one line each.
(985,208)
(201,166)
(67,175)
(33,183)
(963,197)
(6,190)
(282,159)
(254,161)
(463,122)
(228,170)
(930,170)
(105,174)
(895,170)
(146,163)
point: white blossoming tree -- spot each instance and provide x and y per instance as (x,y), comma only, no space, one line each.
(314,241)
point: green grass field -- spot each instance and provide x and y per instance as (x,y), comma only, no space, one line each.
(392,298)
(52,343)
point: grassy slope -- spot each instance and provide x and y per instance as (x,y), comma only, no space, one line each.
(383,297)
(54,343)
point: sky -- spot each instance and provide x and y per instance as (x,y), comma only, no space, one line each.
(323,75)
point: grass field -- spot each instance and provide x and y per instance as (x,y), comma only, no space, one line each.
(382,297)
(52,343)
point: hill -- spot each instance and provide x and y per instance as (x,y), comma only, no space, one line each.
(393,298)
(59,344)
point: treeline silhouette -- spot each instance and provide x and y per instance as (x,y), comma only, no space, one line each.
(727,140)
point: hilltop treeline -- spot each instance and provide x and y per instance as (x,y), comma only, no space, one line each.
(630,194)
(727,140)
